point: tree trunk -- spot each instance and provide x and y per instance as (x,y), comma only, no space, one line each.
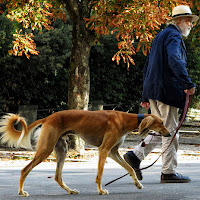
(79,81)
(79,73)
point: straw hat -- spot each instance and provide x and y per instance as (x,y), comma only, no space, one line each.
(183,11)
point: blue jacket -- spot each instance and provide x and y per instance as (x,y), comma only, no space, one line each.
(165,73)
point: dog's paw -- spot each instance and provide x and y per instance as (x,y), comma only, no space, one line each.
(139,185)
(73,192)
(23,194)
(103,192)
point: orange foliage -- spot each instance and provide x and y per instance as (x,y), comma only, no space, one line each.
(131,20)
(23,44)
(31,14)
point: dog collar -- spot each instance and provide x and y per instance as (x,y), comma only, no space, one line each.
(140,117)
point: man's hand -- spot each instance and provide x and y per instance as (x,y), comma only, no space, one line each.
(145,105)
(191,91)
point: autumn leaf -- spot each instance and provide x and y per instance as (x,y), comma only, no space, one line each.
(23,43)
(130,19)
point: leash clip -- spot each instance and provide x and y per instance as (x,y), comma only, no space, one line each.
(143,143)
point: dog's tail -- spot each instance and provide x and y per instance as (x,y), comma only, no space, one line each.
(13,137)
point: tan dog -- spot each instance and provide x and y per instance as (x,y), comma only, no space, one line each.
(104,129)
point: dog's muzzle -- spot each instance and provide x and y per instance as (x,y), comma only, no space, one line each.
(169,135)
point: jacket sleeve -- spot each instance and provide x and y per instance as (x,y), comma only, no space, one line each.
(177,59)
(144,99)
(145,67)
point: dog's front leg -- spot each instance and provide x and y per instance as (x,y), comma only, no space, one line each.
(114,154)
(103,153)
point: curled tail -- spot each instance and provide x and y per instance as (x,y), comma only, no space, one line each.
(13,137)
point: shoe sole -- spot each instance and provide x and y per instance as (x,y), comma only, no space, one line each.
(174,181)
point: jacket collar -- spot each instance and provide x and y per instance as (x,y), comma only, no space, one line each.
(176,28)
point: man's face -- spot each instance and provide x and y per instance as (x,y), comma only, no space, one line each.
(185,25)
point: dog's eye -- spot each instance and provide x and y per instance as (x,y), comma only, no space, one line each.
(162,123)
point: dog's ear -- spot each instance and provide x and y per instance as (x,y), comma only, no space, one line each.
(145,124)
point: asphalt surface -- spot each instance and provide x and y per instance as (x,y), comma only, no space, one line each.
(81,176)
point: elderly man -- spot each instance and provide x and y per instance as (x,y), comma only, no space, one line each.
(165,83)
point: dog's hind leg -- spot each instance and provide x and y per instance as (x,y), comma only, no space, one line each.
(61,149)
(39,157)
(45,144)
(114,154)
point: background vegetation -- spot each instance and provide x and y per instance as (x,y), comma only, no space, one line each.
(42,79)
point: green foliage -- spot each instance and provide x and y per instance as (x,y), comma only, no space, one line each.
(194,68)
(41,80)
(5,34)
(193,51)
(113,83)
(6,31)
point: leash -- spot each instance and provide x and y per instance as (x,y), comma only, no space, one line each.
(186,107)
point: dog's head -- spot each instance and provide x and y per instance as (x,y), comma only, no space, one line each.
(153,123)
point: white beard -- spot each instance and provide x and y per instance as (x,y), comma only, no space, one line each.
(185,33)
(185,29)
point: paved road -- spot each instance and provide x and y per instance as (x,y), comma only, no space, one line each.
(41,185)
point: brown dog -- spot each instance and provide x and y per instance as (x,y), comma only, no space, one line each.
(104,129)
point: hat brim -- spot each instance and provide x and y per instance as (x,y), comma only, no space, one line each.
(194,17)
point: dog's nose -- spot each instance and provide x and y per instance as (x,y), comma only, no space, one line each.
(169,135)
